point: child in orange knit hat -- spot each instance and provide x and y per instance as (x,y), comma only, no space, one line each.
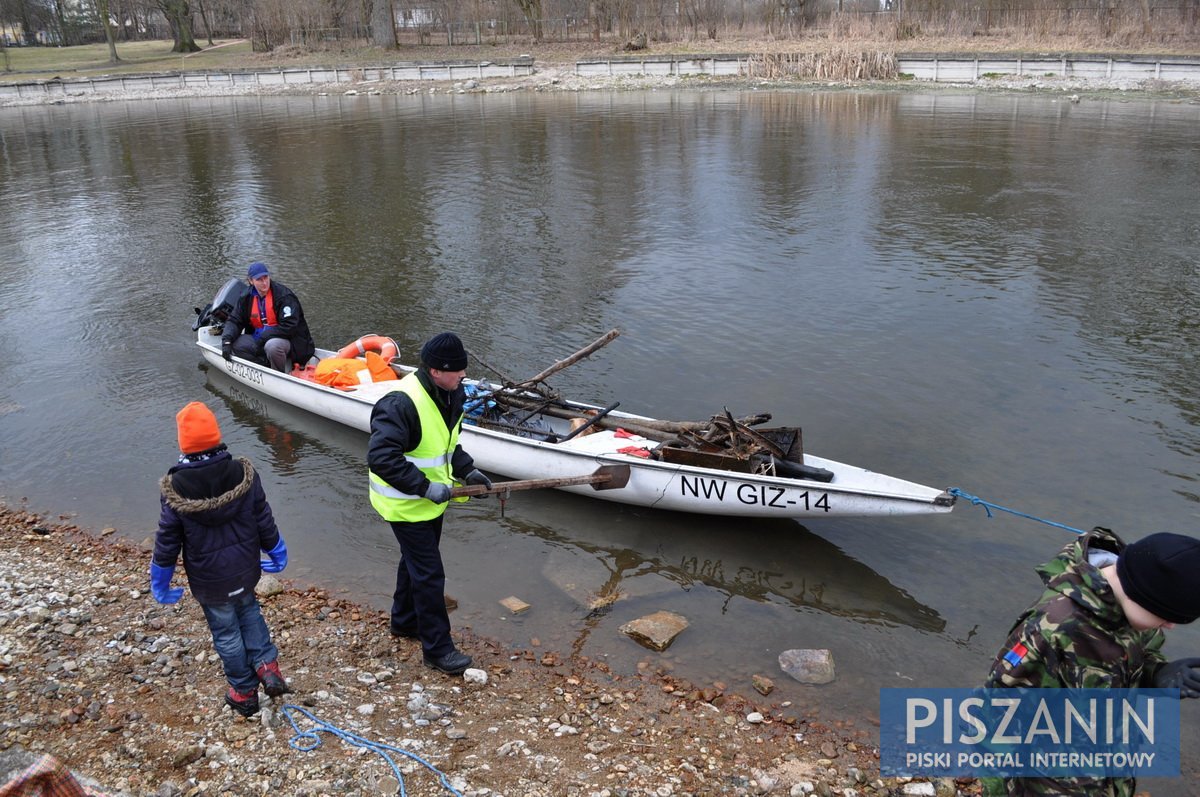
(215,513)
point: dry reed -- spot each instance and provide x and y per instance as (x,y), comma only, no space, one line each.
(839,64)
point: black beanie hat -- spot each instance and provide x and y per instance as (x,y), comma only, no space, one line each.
(445,352)
(1161,573)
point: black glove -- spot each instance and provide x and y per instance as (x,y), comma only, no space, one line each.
(227,350)
(476,477)
(1181,674)
(438,493)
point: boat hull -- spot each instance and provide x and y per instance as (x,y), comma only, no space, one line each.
(654,484)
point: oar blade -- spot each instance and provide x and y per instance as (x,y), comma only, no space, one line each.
(618,477)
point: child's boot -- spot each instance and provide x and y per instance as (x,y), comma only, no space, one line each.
(272,679)
(244,703)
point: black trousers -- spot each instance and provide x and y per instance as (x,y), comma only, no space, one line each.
(419,602)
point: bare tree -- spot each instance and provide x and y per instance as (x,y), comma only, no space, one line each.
(383,24)
(14,13)
(207,25)
(106,23)
(60,18)
(179,18)
(532,10)
(596,10)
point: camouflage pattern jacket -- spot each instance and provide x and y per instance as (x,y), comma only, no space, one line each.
(1075,636)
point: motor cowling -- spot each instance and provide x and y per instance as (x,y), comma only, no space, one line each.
(219,309)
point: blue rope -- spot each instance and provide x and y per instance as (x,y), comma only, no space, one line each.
(305,741)
(989,506)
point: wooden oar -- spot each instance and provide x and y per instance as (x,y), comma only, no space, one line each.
(606,477)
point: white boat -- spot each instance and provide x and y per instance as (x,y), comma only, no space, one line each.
(540,447)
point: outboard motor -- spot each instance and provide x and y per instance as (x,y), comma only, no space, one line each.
(218,310)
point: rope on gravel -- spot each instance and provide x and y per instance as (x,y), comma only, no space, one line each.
(304,741)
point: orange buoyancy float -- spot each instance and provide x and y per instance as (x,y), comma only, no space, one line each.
(384,346)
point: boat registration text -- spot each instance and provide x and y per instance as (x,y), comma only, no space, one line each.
(752,494)
(251,375)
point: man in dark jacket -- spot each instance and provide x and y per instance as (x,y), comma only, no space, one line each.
(413,456)
(215,513)
(268,325)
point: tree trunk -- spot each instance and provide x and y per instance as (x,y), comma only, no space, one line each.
(532,9)
(60,17)
(179,17)
(383,24)
(106,22)
(207,24)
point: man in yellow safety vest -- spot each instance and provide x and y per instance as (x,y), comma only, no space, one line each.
(413,456)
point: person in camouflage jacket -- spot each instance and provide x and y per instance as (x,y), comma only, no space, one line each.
(1099,624)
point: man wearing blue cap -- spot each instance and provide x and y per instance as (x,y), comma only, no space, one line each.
(267,326)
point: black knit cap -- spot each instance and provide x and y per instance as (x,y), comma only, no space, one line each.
(445,352)
(1161,573)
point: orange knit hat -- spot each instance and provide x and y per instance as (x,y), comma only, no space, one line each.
(198,430)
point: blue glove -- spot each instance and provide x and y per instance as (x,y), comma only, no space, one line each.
(278,556)
(438,493)
(160,584)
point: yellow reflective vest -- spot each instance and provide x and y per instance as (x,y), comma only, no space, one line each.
(431,456)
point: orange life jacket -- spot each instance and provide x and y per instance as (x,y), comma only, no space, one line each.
(256,320)
(351,371)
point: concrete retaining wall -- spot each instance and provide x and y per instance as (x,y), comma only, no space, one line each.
(117,84)
(939,68)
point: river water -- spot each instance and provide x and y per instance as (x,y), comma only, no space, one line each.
(992,292)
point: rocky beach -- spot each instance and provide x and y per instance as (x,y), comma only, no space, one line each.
(128,694)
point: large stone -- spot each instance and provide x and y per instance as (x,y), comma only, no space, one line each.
(808,666)
(656,631)
(268,586)
(514,604)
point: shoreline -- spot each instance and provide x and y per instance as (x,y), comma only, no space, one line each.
(129,694)
(562,77)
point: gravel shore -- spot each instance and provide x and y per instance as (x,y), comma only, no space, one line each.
(128,694)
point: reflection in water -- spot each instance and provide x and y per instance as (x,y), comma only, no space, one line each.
(632,562)
(782,562)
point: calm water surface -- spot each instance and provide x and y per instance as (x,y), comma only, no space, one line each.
(992,292)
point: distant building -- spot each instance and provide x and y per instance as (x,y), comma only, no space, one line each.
(415,17)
